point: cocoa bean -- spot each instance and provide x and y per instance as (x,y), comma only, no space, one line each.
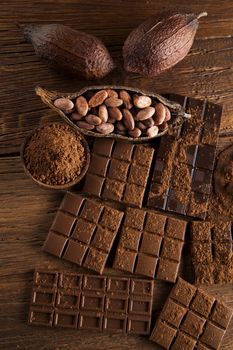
(160,114)
(75,116)
(163,126)
(113,102)
(135,133)
(105,128)
(65,104)
(128,119)
(98,98)
(85,125)
(168,115)
(126,98)
(111,120)
(103,113)
(81,105)
(141,126)
(112,93)
(115,113)
(148,122)
(93,119)
(120,126)
(145,113)
(142,101)
(153,131)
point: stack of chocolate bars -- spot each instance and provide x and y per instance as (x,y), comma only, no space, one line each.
(137,205)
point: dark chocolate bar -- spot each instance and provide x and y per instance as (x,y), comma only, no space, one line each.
(184,165)
(83,232)
(101,303)
(150,244)
(212,253)
(118,171)
(191,319)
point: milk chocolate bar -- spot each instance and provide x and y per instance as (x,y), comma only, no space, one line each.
(184,165)
(150,244)
(91,302)
(118,171)
(212,253)
(83,232)
(191,319)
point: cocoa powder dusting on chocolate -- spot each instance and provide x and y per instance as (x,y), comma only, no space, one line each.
(55,154)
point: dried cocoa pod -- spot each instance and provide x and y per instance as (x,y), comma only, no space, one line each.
(70,50)
(128,121)
(160,42)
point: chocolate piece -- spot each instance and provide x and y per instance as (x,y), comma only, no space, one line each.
(212,252)
(83,232)
(150,244)
(102,303)
(119,171)
(191,319)
(183,170)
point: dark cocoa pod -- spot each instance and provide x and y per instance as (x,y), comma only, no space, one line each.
(160,42)
(70,50)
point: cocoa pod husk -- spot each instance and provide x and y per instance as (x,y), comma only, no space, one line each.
(69,50)
(177,111)
(160,42)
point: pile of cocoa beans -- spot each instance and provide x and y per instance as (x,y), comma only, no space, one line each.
(116,111)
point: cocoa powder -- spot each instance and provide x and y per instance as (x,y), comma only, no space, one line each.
(55,154)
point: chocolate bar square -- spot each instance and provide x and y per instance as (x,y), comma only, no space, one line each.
(191,319)
(183,170)
(150,244)
(101,303)
(125,171)
(86,237)
(212,252)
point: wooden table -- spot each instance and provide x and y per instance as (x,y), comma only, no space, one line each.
(26,210)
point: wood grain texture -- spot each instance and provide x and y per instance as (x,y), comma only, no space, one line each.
(26,210)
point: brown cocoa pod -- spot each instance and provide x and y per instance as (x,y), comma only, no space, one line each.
(113,102)
(93,119)
(160,114)
(135,133)
(115,113)
(128,119)
(142,101)
(103,113)
(70,50)
(145,113)
(112,93)
(75,116)
(126,98)
(81,105)
(105,128)
(84,125)
(153,131)
(160,42)
(65,104)
(98,98)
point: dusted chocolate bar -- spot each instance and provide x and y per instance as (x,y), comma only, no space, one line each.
(83,232)
(183,169)
(191,319)
(101,303)
(118,171)
(212,253)
(150,244)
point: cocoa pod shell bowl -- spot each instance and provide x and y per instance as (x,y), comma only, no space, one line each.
(67,185)
(178,114)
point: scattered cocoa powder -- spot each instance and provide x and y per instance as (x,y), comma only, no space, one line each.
(55,154)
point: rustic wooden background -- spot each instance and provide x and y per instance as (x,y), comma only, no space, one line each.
(26,210)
